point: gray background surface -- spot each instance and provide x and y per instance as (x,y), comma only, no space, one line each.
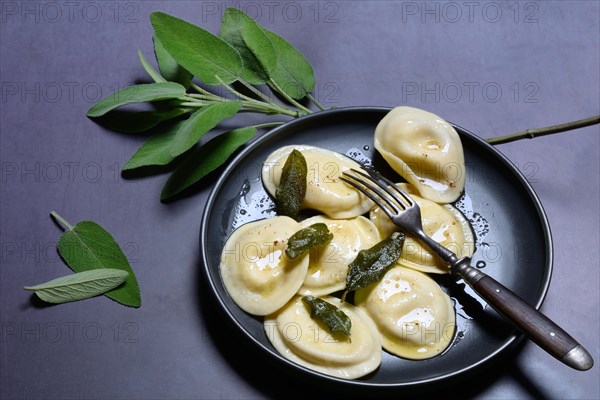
(491,67)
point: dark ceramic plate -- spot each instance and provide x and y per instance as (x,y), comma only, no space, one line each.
(514,244)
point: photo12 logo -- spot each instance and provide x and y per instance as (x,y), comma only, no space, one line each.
(470,92)
(470,12)
(54,172)
(52,12)
(31,252)
(69,332)
(271,11)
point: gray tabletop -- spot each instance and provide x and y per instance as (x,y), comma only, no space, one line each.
(491,67)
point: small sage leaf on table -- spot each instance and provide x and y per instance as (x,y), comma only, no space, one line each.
(205,55)
(154,74)
(370,265)
(336,320)
(315,235)
(137,94)
(293,73)
(79,286)
(169,68)
(292,186)
(205,159)
(253,44)
(87,246)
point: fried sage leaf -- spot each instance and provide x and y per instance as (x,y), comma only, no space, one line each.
(335,319)
(370,265)
(315,235)
(79,286)
(292,187)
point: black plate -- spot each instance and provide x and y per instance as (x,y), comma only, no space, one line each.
(517,248)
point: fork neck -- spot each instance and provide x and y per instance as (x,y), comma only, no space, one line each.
(445,254)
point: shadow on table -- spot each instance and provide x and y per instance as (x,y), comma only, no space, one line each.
(261,372)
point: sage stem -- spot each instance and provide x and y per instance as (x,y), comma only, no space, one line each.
(268,124)
(319,106)
(287,97)
(61,220)
(536,132)
(204,92)
(256,91)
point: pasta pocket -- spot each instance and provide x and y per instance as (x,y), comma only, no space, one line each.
(325,191)
(414,316)
(425,150)
(307,342)
(257,274)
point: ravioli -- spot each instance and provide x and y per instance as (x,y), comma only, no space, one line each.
(257,274)
(307,342)
(443,223)
(415,318)
(425,150)
(325,191)
(328,265)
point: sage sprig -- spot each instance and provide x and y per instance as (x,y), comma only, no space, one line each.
(87,246)
(79,286)
(191,61)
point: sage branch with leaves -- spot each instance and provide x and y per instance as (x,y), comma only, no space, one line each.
(244,54)
(242,61)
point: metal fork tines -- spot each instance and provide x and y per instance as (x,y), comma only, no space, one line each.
(397,204)
(405,213)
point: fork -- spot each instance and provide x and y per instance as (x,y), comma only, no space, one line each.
(405,213)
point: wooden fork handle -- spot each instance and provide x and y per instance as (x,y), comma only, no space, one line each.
(539,328)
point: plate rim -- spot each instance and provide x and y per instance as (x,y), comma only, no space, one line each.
(511,340)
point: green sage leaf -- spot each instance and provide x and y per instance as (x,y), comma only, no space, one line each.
(136,122)
(200,52)
(137,94)
(335,319)
(370,265)
(200,123)
(156,150)
(300,242)
(169,68)
(205,159)
(163,148)
(154,74)
(87,246)
(79,286)
(253,44)
(292,187)
(293,72)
